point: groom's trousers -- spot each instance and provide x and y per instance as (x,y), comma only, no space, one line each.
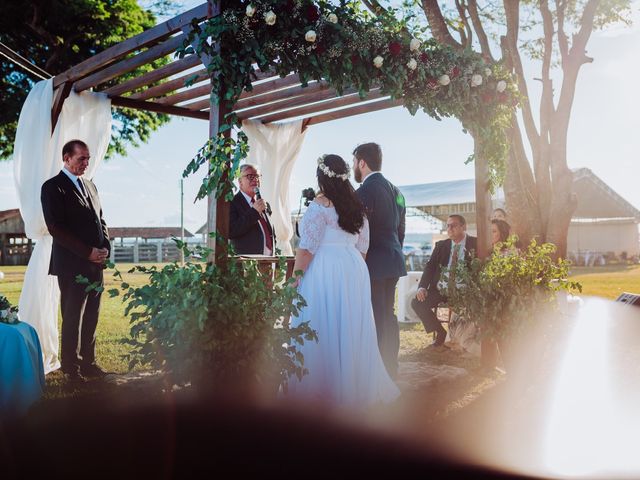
(383,295)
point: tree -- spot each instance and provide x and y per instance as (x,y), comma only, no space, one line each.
(57,34)
(538,190)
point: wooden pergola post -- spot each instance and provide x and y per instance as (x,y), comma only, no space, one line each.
(217,209)
(488,348)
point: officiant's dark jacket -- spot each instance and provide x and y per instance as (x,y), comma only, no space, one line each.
(439,259)
(386,214)
(244,227)
(75,224)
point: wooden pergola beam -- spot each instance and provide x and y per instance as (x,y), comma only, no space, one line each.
(338,102)
(155,107)
(189,94)
(257,91)
(59,96)
(129,64)
(108,56)
(171,85)
(283,94)
(153,76)
(323,94)
(349,112)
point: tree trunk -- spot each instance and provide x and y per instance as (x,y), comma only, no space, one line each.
(520,191)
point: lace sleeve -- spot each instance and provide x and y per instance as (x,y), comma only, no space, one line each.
(312,228)
(363,237)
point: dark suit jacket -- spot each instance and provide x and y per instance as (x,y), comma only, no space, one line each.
(244,227)
(440,258)
(75,225)
(386,214)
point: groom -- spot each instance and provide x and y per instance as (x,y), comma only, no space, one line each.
(386,213)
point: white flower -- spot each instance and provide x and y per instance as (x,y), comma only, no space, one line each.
(414,44)
(270,18)
(501,86)
(412,64)
(4,313)
(444,80)
(333,18)
(378,61)
(476,80)
(310,36)
(487,72)
(251,9)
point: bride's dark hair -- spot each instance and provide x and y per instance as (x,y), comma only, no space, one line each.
(341,193)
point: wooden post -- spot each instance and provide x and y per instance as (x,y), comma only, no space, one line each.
(488,348)
(217,209)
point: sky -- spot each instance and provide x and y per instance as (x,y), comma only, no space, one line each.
(143,189)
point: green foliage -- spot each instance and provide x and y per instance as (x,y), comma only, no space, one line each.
(58,34)
(209,325)
(340,44)
(503,293)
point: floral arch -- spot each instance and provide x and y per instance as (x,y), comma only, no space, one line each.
(343,46)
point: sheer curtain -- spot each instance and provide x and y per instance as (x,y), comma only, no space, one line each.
(38,157)
(274,149)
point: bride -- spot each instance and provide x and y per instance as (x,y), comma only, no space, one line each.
(345,367)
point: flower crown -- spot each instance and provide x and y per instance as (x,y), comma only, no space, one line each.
(330,173)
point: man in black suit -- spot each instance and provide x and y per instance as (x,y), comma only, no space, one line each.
(250,230)
(386,214)
(81,245)
(445,254)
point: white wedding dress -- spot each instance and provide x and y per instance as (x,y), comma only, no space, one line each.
(345,367)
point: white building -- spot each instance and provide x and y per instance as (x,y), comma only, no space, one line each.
(603,225)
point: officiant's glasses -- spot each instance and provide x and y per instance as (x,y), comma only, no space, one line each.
(252,176)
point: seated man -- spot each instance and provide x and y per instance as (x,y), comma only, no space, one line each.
(445,254)
(250,230)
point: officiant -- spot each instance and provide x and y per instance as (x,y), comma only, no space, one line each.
(250,229)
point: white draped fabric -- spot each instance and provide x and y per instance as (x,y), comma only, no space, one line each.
(274,149)
(38,157)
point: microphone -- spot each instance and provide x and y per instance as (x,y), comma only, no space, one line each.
(256,190)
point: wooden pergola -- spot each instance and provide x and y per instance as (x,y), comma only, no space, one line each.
(273,99)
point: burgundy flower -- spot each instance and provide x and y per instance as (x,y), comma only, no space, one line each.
(355,58)
(395,48)
(290,6)
(312,13)
(433,84)
(502,97)
(424,58)
(486,97)
(455,71)
(320,48)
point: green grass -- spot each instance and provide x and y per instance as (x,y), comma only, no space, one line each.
(113,328)
(608,282)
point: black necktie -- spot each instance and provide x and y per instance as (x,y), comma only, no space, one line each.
(84,194)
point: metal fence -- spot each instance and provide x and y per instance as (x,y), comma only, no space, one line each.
(146,252)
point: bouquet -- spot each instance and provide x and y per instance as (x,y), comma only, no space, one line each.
(8,313)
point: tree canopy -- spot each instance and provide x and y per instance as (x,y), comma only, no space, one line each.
(57,34)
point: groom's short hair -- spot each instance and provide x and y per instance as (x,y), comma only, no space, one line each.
(371,153)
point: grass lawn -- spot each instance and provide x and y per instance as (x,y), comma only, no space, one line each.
(113,328)
(608,282)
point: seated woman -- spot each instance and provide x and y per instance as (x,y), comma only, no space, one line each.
(500,231)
